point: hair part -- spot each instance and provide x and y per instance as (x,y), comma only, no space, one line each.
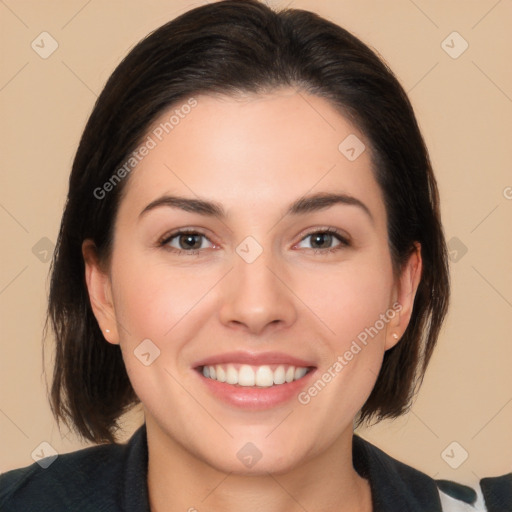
(237,47)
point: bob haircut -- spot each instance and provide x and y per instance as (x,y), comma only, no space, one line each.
(237,47)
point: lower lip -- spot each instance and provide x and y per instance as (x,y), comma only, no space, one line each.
(254,398)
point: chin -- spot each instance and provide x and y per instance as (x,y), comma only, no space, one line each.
(262,467)
(243,457)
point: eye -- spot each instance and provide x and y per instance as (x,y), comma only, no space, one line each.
(324,239)
(190,242)
(184,241)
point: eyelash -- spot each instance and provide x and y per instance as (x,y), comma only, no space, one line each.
(344,242)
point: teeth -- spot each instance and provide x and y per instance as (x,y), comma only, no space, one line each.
(250,376)
(246,376)
(264,377)
(221,374)
(299,373)
(279,375)
(231,375)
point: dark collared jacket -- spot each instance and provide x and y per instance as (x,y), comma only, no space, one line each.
(113,478)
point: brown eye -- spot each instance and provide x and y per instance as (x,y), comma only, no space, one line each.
(190,242)
(322,241)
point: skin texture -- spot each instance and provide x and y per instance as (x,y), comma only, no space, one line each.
(254,155)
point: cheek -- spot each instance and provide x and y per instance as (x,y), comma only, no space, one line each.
(354,304)
(150,300)
(350,299)
(153,302)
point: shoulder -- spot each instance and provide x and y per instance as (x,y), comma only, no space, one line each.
(491,494)
(398,486)
(87,477)
(498,492)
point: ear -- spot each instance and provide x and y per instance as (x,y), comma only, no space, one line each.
(100,292)
(404,294)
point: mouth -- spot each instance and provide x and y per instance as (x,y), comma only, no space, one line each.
(254,381)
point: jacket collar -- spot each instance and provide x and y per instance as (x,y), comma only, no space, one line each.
(134,495)
(395,486)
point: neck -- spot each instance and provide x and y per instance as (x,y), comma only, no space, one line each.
(179,481)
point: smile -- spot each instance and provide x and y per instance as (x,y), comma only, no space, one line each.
(254,381)
(263,376)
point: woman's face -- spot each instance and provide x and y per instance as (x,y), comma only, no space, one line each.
(272,282)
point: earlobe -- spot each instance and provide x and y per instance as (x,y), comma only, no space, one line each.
(407,287)
(100,292)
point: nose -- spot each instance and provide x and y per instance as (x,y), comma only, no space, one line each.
(257,296)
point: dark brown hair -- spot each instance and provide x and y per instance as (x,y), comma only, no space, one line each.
(233,47)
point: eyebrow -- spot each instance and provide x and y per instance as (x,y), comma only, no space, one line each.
(307,204)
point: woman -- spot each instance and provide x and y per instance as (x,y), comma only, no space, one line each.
(222,147)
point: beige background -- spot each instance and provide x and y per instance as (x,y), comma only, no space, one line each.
(464,106)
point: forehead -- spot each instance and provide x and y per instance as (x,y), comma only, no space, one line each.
(265,150)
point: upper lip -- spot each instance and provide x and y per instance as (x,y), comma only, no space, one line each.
(255,359)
